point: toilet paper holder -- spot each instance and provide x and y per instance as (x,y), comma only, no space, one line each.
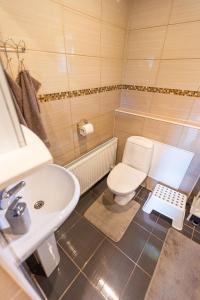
(85,127)
(81,123)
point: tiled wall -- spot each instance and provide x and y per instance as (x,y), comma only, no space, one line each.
(71,45)
(163,50)
(9,289)
(75,45)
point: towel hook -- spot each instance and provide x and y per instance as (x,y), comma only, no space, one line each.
(8,59)
(20,61)
(18,57)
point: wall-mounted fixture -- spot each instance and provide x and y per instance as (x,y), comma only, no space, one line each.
(85,128)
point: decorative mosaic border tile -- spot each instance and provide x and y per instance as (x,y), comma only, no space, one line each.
(141,88)
(153,89)
(77,93)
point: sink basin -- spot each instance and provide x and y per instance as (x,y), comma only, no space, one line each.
(51,194)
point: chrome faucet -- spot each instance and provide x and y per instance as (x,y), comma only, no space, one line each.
(6,195)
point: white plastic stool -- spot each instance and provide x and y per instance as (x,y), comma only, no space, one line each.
(167,202)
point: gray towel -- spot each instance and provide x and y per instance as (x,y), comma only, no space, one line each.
(30,107)
(16,95)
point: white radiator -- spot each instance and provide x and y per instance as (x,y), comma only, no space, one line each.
(91,167)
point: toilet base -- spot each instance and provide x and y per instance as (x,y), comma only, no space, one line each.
(123,200)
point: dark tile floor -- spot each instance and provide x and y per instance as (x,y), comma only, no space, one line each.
(92,267)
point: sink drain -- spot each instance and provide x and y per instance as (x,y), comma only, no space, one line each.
(39,204)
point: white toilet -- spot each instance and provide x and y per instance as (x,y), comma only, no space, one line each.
(126,176)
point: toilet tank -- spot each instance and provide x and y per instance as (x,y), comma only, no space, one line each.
(138,153)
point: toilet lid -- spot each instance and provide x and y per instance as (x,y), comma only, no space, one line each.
(124,179)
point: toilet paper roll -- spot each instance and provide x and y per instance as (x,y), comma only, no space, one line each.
(86,129)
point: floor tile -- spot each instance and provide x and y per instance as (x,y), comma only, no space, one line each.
(137,286)
(81,241)
(197,228)
(143,194)
(109,270)
(85,201)
(189,223)
(138,190)
(150,255)
(56,284)
(66,226)
(187,231)
(196,237)
(81,289)
(161,227)
(139,200)
(146,220)
(133,241)
(100,187)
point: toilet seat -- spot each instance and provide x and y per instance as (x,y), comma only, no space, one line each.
(124,179)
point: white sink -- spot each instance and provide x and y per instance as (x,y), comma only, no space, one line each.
(60,191)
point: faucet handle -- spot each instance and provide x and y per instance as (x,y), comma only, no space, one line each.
(13,191)
(6,195)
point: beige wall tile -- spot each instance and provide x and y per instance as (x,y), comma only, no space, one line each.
(72,26)
(181,74)
(170,133)
(195,111)
(109,101)
(65,157)
(190,139)
(141,72)
(136,100)
(182,41)
(153,129)
(122,137)
(8,287)
(21,296)
(106,126)
(171,105)
(148,13)
(85,107)
(161,131)
(85,143)
(90,7)
(185,11)
(146,43)
(130,124)
(57,120)
(56,113)
(103,130)
(33,21)
(61,141)
(84,72)
(111,71)
(115,12)
(82,34)
(112,41)
(48,68)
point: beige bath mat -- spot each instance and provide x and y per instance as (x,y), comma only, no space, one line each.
(177,274)
(109,217)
